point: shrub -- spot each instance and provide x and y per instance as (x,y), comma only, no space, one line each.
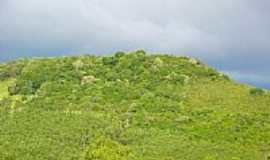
(109,60)
(11,69)
(140,52)
(3,75)
(78,65)
(39,71)
(158,62)
(224,77)
(256,91)
(111,76)
(14,89)
(26,87)
(106,149)
(119,54)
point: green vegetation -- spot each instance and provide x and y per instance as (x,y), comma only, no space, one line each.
(256,91)
(129,106)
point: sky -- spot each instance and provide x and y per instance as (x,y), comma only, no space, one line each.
(230,35)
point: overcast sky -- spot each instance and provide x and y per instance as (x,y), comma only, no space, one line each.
(231,35)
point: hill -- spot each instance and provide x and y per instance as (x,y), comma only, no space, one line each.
(129,106)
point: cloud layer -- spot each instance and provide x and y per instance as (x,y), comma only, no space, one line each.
(230,35)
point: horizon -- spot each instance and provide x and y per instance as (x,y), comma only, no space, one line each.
(238,77)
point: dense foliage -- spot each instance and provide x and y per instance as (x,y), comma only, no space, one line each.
(129,106)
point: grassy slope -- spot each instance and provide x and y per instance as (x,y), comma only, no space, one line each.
(129,107)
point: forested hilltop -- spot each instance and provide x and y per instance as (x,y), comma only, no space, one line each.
(129,106)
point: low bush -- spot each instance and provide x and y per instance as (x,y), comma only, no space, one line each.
(119,54)
(109,61)
(12,69)
(106,149)
(13,89)
(256,91)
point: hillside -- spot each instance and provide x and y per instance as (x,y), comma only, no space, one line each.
(129,106)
